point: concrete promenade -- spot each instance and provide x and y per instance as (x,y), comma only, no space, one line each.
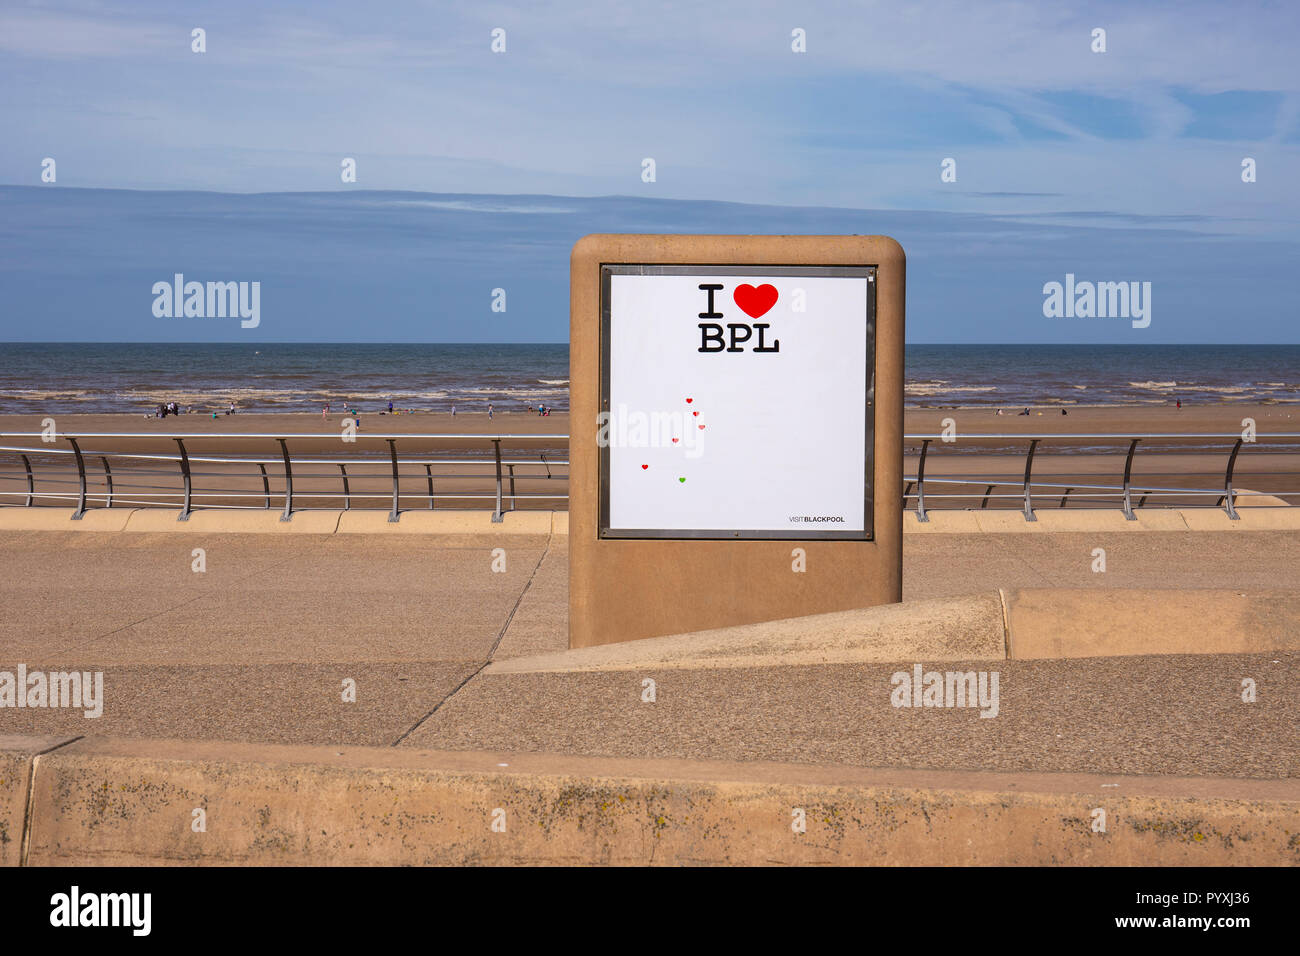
(449,656)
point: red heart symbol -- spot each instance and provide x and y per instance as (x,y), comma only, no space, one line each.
(689,400)
(644,467)
(701,428)
(696,414)
(674,441)
(755,302)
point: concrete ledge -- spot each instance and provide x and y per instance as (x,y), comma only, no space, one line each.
(948,629)
(108,802)
(1064,520)
(154,520)
(1105,622)
(1025,624)
(233,522)
(60,519)
(1250,519)
(417,521)
(445,522)
(16,758)
(1257,517)
(941,522)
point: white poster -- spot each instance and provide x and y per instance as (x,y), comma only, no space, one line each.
(736,405)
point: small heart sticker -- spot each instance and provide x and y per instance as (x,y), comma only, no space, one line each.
(644,467)
(689,400)
(674,441)
(681,479)
(696,414)
(701,428)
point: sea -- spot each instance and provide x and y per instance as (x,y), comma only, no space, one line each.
(293,377)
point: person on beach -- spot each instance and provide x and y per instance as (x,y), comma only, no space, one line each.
(453,411)
(541,409)
(1180,403)
(489,411)
(390,406)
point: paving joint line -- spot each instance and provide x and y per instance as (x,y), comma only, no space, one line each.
(25,846)
(491,651)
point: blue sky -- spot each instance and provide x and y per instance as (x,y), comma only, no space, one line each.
(1123,165)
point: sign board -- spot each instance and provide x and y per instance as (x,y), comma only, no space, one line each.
(736,402)
(736,419)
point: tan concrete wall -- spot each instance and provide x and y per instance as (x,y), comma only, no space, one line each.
(17,754)
(1108,622)
(621,590)
(102,801)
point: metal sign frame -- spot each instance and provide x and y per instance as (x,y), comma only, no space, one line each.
(607,270)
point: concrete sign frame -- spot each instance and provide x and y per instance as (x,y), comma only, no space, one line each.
(628,583)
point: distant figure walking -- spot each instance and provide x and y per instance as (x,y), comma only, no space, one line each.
(453,411)
(232,409)
(1180,403)
(390,406)
(325,412)
(489,411)
(541,409)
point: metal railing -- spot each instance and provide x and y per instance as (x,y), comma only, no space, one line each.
(505,470)
(1226,495)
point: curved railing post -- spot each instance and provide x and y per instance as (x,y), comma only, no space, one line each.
(920,483)
(987,491)
(1128,481)
(1029,468)
(1228,494)
(266,485)
(31,483)
(185,475)
(347,495)
(81,475)
(108,480)
(288,481)
(496,515)
(428,472)
(395,514)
